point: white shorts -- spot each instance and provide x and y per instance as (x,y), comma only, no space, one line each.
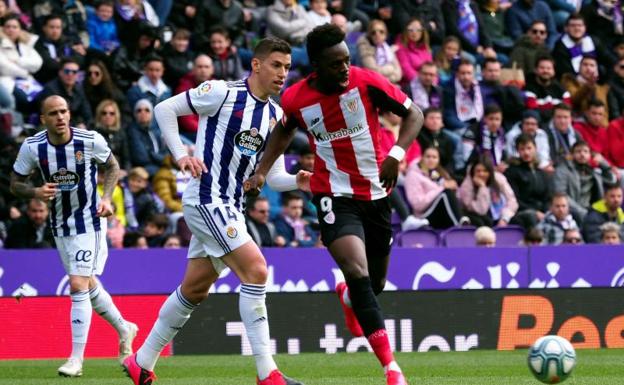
(217,229)
(83,254)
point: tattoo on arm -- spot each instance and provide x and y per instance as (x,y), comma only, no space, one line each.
(20,186)
(111,175)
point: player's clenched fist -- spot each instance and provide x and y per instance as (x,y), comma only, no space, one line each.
(389,172)
(253,185)
(47,191)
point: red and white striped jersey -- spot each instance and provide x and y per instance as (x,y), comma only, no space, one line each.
(343,130)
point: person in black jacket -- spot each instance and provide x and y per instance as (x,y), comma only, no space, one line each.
(531,185)
(178,58)
(426,10)
(605,210)
(31,231)
(615,96)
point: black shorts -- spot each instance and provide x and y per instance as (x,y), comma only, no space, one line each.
(368,220)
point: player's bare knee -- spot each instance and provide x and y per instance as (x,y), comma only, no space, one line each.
(195,293)
(78,283)
(255,274)
(354,271)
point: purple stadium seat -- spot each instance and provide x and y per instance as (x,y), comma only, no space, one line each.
(510,235)
(423,237)
(459,236)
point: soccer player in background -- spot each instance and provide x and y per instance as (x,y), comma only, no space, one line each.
(235,120)
(338,105)
(67,158)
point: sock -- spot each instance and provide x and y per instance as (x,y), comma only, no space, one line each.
(365,305)
(253,312)
(80,322)
(172,316)
(381,346)
(103,305)
(346,298)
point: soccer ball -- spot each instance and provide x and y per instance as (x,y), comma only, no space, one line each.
(551,359)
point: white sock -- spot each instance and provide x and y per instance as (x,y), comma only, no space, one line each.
(392,366)
(80,322)
(103,305)
(253,312)
(172,316)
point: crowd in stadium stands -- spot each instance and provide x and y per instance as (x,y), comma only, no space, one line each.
(522,103)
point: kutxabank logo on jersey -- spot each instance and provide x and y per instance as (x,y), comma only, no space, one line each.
(249,142)
(66,180)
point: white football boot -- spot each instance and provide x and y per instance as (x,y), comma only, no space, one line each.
(72,368)
(125,345)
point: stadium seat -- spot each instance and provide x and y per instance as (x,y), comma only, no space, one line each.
(423,237)
(290,160)
(510,235)
(459,236)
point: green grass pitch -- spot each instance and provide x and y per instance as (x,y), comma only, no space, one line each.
(599,367)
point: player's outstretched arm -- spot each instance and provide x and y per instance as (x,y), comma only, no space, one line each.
(20,187)
(410,127)
(111,176)
(280,180)
(278,142)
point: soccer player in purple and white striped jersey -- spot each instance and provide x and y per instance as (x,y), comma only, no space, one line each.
(235,121)
(67,159)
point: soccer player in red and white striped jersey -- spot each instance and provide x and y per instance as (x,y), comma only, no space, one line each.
(338,105)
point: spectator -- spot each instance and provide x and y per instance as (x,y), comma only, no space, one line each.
(424,90)
(507,97)
(18,62)
(585,88)
(376,9)
(610,234)
(463,19)
(530,126)
(572,237)
(172,241)
(593,129)
(615,96)
(521,15)
(117,222)
(576,44)
(229,13)
(107,122)
(543,92)
(134,240)
(306,162)
(146,145)
(557,220)
(529,47)
(533,237)
(318,13)
(375,53)
(488,138)
(74,17)
(227,64)
(102,28)
(289,21)
(183,13)
(426,10)
(485,237)
(177,56)
(615,144)
(129,57)
(52,45)
(67,86)
(486,196)
(433,134)
(145,202)
(169,184)
(260,228)
(531,185)
(493,24)
(561,134)
(562,10)
(582,183)
(413,49)
(295,230)
(150,86)
(202,71)
(604,20)
(447,59)
(99,86)
(31,231)
(130,13)
(430,191)
(608,209)
(155,229)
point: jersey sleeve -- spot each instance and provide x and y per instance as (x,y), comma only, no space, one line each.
(101,151)
(207,98)
(387,96)
(26,161)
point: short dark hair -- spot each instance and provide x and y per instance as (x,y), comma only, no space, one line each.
(68,59)
(161,221)
(492,108)
(251,203)
(579,143)
(544,57)
(589,57)
(611,186)
(558,194)
(563,107)
(431,110)
(221,30)
(490,60)
(131,239)
(323,37)
(153,57)
(52,16)
(464,62)
(523,139)
(291,196)
(100,3)
(268,45)
(575,16)
(595,103)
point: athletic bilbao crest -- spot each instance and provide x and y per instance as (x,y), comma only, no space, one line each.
(249,142)
(352,105)
(65,179)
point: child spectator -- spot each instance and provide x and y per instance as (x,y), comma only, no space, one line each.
(102,28)
(145,202)
(485,237)
(226,62)
(155,229)
(610,234)
(172,241)
(178,58)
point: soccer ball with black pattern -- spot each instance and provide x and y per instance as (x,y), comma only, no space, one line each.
(551,359)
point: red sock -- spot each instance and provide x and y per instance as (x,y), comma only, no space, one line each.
(381,346)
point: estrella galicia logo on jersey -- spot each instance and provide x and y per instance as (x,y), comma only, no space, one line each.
(79,157)
(231,232)
(66,180)
(83,256)
(249,142)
